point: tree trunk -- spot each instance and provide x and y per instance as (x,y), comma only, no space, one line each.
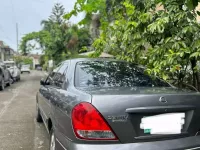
(180,81)
(197,78)
(195,74)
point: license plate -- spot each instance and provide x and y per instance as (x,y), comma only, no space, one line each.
(171,123)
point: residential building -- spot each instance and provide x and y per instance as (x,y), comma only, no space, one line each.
(36,60)
(6,53)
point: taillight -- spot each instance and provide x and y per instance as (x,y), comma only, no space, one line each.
(89,124)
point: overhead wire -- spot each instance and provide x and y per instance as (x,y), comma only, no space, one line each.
(13,18)
(5,36)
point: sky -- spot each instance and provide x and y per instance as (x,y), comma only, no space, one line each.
(28,14)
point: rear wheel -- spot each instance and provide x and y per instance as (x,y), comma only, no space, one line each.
(38,115)
(9,83)
(52,145)
(2,84)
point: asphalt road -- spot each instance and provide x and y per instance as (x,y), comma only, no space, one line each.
(18,127)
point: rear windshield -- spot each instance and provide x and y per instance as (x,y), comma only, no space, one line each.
(9,64)
(26,66)
(113,74)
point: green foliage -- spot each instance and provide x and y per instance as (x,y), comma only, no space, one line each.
(23,60)
(88,6)
(166,41)
(58,39)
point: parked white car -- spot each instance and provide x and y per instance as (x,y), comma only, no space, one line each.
(25,68)
(14,70)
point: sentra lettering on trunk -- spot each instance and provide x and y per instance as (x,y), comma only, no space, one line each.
(122,118)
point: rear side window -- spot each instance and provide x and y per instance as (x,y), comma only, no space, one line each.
(51,76)
(113,74)
(60,76)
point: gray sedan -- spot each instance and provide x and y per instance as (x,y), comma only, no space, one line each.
(103,104)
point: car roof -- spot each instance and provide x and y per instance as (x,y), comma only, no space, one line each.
(9,62)
(92,59)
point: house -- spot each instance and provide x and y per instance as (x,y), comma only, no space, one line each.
(2,52)
(6,53)
(36,60)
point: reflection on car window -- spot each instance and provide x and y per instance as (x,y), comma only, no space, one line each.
(113,74)
(51,76)
(59,77)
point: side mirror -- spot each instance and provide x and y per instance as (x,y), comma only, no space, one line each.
(42,82)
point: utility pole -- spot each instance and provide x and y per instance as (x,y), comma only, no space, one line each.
(17,32)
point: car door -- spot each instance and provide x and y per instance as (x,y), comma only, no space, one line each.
(45,96)
(48,93)
(6,74)
(62,99)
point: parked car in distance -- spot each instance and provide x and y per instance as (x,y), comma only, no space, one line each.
(97,104)
(39,68)
(25,68)
(14,70)
(5,76)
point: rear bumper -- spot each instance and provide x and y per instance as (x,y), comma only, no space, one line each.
(25,71)
(190,143)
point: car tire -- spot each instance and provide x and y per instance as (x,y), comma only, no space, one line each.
(38,115)
(9,83)
(52,143)
(2,84)
(12,81)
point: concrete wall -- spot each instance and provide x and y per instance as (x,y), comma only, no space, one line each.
(36,61)
(2,54)
(198,8)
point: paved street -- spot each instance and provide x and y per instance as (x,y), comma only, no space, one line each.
(18,127)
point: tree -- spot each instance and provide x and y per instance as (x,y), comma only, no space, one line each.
(57,14)
(95,10)
(165,41)
(23,60)
(84,38)
(58,38)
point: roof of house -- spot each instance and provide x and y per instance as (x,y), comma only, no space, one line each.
(35,56)
(5,46)
(2,44)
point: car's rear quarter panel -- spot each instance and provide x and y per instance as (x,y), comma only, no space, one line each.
(63,103)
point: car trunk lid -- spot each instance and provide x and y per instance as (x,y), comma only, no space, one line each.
(124,108)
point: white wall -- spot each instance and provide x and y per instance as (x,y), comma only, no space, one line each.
(35,62)
(2,57)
